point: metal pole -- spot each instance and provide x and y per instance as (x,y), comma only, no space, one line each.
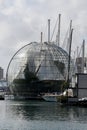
(77,51)
(69,60)
(58,40)
(48,30)
(68,40)
(41,37)
(83,53)
(69,49)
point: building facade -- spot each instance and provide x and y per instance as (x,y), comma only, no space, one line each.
(1,73)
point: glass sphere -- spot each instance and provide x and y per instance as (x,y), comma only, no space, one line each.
(36,62)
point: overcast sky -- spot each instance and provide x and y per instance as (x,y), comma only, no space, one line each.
(21,22)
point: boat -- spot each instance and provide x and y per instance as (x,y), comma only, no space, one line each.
(9,97)
(50,97)
(1,97)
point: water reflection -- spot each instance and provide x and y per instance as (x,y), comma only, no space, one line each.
(32,110)
(32,115)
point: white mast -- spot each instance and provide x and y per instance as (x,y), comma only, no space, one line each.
(70,27)
(68,40)
(48,30)
(69,49)
(41,37)
(77,51)
(58,33)
(83,53)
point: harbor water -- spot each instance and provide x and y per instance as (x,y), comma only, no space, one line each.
(41,115)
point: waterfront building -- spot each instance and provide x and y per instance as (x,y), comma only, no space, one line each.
(3,85)
(79,90)
(82,86)
(1,73)
(79,62)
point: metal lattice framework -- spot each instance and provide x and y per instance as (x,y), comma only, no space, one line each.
(46,61)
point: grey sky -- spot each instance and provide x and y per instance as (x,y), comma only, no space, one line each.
(21,22)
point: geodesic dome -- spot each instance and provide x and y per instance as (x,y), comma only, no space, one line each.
(37,62)
(45,61)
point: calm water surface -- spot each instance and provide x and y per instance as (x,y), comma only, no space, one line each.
(37,115)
